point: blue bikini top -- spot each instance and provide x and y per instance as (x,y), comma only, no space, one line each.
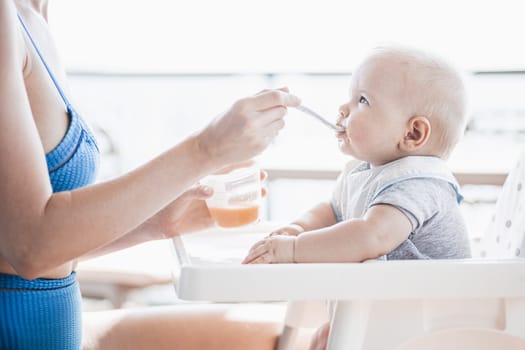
(73,163)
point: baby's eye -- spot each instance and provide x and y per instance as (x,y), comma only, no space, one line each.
(363,99)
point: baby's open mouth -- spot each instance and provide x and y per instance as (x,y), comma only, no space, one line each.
(341,136)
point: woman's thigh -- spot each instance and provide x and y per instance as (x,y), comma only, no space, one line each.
(208,326)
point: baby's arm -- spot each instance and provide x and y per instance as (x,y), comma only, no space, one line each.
(380,231)
(322,215)
(279,245)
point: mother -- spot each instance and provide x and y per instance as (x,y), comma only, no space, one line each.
(51,215)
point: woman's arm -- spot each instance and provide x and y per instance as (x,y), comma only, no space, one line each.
(187,214)
(40,230)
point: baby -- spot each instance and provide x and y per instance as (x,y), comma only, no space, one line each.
(406,112)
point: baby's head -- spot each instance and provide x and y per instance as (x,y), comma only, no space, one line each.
(403,102)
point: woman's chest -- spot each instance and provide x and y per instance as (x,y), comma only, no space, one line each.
(47,106)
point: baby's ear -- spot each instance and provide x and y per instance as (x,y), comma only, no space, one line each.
(417,133)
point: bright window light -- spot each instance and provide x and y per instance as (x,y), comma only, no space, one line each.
(208,36)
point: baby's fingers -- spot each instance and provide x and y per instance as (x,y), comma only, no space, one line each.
(266,258)
(251,258)
(276,233)
(259,249)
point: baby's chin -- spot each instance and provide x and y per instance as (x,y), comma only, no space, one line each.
(342,138)
(344,147)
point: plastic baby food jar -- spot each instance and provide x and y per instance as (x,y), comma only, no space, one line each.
(236,197)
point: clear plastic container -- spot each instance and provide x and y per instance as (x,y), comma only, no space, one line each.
(236,198)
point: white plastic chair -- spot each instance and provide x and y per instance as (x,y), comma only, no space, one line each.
(441,321)
(404,305)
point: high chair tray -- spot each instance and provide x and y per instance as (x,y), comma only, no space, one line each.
(212,271)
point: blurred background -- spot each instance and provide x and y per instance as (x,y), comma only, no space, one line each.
(146,74)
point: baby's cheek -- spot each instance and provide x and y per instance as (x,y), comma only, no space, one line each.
(359,131)
(353,128)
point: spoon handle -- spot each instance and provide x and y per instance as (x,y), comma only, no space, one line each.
(310,112)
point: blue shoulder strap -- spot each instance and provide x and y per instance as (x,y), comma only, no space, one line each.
(60,91)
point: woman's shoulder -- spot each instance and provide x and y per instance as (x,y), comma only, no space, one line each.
(8,19)
(12,46)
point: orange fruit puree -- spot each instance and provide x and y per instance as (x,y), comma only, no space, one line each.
(233,217)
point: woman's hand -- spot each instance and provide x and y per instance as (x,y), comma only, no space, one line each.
(188,213)
(247,128)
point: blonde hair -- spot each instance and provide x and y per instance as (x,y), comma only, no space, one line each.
(441,94)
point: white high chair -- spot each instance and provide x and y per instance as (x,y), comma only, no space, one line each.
(403,305)
(477,322)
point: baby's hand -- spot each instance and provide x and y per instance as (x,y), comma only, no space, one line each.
(288,230)
(271,250)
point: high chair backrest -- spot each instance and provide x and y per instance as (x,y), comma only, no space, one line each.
(505,234)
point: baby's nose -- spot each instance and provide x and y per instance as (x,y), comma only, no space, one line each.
(344,110)
(342,115)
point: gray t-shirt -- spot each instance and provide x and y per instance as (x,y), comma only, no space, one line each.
(438,228)
(424,189)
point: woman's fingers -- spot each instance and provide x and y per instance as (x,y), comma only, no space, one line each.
(269,116)
(247,128)
(284,88)
(263,175)
(272,98)
(198,192)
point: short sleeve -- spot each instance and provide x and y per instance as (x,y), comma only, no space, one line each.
(419,199)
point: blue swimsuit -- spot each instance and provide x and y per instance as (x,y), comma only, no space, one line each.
(46,313)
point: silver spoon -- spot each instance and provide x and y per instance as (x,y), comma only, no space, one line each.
(308,111)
